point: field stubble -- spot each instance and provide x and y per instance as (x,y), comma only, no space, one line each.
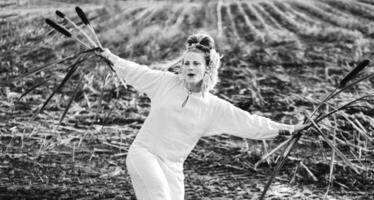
(280,57)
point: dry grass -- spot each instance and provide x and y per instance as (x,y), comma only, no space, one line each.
(297,55)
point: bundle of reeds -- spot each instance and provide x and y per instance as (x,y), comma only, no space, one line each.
(312,120)
(93,48)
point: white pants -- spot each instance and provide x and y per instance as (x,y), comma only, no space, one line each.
(151,177)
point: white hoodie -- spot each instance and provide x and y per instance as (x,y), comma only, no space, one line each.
(171,131)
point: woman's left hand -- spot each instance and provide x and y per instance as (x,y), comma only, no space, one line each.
(301,126)
(285,133)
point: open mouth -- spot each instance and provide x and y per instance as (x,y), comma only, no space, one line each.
(190,74)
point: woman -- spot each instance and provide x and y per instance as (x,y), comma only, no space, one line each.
(182,111)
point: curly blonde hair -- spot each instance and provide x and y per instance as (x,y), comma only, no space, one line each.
(204,43)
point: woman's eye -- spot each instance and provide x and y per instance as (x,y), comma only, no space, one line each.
(196,63)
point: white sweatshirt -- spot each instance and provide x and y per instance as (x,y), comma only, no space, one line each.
(171,131)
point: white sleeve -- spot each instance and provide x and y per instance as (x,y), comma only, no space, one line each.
(230,119)
(141,77)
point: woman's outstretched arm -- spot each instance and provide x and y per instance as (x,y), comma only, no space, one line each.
(141,77)
(230,119)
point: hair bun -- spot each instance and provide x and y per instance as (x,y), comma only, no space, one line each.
(199,47)
(206,42)
(200,39)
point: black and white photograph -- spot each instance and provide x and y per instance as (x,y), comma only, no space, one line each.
(186,99)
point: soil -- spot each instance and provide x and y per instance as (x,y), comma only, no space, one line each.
(279,66)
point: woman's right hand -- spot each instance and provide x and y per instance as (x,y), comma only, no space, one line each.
(109,57)
(107,54)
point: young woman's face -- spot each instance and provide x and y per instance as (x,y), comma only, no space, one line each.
(193,67)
